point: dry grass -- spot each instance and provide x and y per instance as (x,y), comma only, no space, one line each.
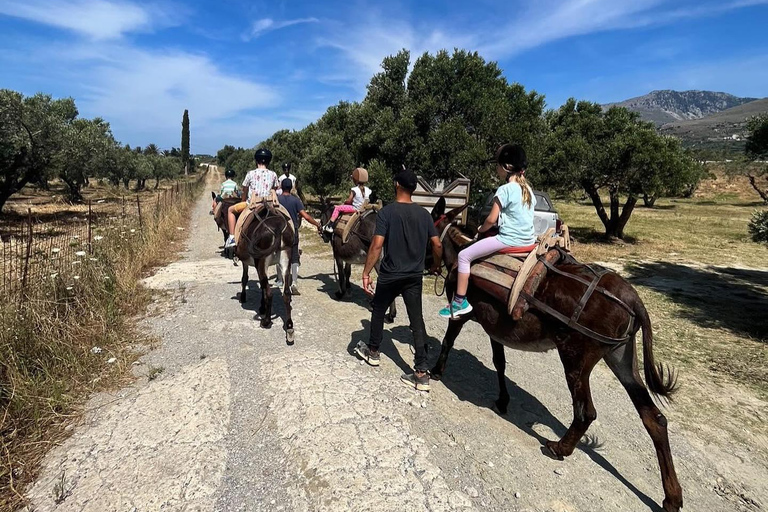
(708,228)
(72,339)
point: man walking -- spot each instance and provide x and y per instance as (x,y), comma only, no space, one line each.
(403,229)
(296,208)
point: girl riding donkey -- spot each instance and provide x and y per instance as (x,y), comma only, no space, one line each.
(357,196)
(513,207)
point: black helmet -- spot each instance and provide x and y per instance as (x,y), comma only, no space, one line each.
(287,166)
(263,156)
(229,173)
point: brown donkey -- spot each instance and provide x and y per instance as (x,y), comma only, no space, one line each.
(579,352)
(267,240)
(354,251)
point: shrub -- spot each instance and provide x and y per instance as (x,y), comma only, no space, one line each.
(758,226)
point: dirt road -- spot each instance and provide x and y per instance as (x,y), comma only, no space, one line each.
(236,420)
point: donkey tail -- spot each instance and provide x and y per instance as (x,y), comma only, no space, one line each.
(661,379)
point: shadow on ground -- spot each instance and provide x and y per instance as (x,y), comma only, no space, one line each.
(717,297)
(471,381)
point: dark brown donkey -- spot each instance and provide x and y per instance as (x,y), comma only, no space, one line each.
(221,219)
(354,251)
(265,241)
(579,353)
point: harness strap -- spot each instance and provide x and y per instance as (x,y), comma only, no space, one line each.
(571,323)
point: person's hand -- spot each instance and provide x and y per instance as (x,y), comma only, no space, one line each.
(368,285)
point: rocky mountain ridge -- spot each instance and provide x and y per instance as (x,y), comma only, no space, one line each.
(667,106)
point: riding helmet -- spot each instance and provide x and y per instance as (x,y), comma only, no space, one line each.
(512,155)
(360,175)
(263,156)
(287,167)
(229,173)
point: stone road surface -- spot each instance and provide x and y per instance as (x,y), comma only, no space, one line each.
(239,421)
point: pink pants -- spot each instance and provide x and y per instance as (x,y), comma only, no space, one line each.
(342,208)
(484,247)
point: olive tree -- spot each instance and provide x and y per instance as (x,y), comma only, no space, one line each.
(31,135)
(612,151)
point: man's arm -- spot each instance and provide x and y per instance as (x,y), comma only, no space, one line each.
(309,218)
(374,252)
(437,255)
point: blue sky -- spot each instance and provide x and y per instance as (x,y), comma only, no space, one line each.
(245,69)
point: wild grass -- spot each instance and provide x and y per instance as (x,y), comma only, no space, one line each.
(73,337)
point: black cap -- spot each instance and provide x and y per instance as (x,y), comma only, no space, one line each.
(513,155)
(406,179)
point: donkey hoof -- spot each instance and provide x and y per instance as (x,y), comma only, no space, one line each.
(266,324)
(549,449)
(671,507)
(435,374)
(389,319)
(338,295)
(290,337)
(500,407)
(242,298)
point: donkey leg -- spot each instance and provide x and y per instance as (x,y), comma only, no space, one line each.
(348,278)
(578,364)
(266,296)
(454,328)
(622,362)
(244,284)
(285,262)
(341,276)
(500,363)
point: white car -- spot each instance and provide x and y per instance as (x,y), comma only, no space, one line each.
(544,215)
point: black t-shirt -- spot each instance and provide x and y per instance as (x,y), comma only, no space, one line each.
(294,205)
(406,228)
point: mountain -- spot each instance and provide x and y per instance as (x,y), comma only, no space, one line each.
(722,131)
(662,107)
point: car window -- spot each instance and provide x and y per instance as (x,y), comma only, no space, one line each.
(542,203)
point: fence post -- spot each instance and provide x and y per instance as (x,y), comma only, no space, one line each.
(28,254)
(138,206)
(90,227)
(123,211)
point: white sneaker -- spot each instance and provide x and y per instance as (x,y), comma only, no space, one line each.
(230,242)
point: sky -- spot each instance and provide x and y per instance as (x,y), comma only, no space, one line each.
(245,69)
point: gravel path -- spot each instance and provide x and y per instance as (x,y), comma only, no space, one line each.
(237,420)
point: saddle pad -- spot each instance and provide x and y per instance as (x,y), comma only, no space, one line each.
(519,250)
(248,215)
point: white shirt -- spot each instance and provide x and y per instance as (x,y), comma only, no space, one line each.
(358,198)
(290,177)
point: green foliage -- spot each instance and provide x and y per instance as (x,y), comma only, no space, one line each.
(185,140)
(83,153)
(758,226)
(224,153)
(757,137)
(380,180)
(615,152)
(31,135)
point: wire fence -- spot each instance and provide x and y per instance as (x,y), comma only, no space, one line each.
(45,246)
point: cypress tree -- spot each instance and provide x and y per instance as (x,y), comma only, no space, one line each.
(185,141)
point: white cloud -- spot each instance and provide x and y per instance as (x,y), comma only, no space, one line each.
(267,25)
(95,19)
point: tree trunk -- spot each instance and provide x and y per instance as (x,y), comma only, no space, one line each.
(126,183)
(763,193)
(626,212)
(74,189)
(593,194)
(157,183)
(649,201)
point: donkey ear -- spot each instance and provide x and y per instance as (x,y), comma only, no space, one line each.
(451,215)
(213,195)
(439,209)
